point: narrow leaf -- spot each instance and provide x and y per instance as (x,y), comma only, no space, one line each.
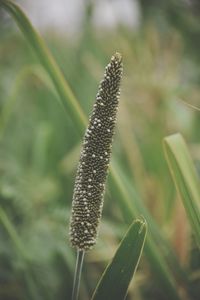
(185,178)
(21,250)
(118,274)
(157,248)
(68,100)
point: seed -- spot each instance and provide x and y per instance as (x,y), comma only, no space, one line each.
(104,108)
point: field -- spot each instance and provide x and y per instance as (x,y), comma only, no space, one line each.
(40,140)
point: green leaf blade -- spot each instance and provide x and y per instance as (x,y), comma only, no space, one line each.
(118,274)
(68,100)
(185,179)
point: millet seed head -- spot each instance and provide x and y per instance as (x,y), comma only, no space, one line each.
(94,159)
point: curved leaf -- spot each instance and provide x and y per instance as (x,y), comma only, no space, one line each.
(185,179)
(118,274)
(68,100)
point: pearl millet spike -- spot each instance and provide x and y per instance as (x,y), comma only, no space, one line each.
(94,160)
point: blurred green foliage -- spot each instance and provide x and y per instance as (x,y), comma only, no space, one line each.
(40,148)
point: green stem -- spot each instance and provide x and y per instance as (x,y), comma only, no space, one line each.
(77,275)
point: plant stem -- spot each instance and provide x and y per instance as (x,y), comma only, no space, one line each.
(77,275)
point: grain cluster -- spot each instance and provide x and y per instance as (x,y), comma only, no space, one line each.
(94,159)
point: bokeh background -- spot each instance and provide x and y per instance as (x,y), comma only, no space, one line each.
(39,146)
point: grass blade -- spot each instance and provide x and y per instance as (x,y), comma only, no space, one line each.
(185,178)
(157,249)
(13,234)
(118,274)
(68,100)
(15,238)
(19,82)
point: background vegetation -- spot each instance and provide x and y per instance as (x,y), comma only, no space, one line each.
(40,148)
